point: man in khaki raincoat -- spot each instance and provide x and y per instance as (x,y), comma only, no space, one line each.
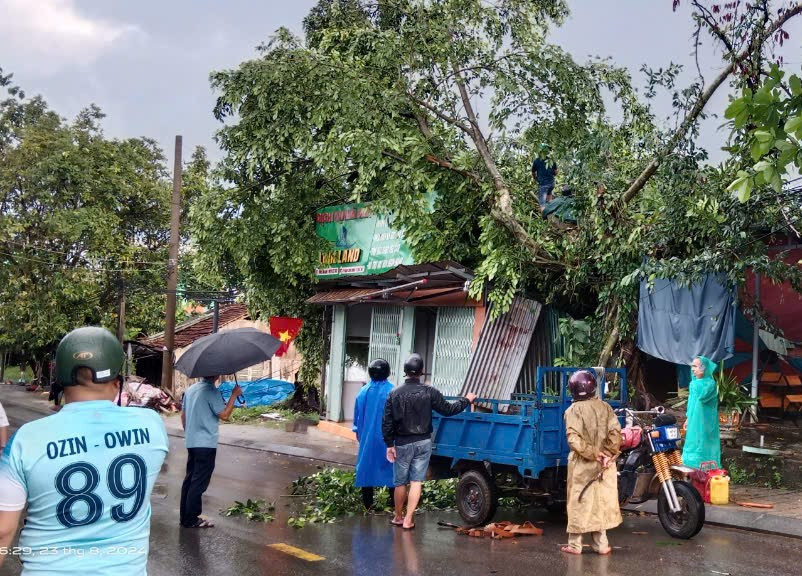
(594,436)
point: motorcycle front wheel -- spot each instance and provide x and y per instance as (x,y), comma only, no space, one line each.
(689,520)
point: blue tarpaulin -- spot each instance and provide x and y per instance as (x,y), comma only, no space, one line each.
(262,392)
(677,323)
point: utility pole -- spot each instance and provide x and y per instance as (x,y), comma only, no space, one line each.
(216,315)
(121,309)
(172,271)
(755,347)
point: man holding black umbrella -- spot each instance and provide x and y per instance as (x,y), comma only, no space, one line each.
(202,409)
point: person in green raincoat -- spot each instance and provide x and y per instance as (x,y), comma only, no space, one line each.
(702,439)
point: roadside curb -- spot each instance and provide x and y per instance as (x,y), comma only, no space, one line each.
(733,516)
(329,457)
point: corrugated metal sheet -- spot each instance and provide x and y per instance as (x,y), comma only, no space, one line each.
(546,345)
(499,356)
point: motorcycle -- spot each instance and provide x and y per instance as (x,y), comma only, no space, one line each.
(650,465)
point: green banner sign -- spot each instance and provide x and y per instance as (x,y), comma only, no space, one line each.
(359,242)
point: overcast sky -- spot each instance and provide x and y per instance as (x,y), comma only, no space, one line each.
(146,63)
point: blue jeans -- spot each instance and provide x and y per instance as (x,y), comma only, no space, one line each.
(411,462)
(543,192)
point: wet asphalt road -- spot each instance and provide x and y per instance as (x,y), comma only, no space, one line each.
(370,546)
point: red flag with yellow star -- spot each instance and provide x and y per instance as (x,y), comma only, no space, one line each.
(285,329)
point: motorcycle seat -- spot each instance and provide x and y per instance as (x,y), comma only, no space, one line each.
(665,420)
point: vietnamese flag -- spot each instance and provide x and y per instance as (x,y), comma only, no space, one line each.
(285,329)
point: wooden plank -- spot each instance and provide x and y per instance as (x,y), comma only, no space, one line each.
(792,402)
(767,400)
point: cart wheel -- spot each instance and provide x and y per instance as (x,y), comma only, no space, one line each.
(477,497)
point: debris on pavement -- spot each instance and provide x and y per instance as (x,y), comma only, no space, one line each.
(766,506)
(137,392)
(496,530)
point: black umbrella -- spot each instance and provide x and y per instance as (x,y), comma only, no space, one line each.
(227,352)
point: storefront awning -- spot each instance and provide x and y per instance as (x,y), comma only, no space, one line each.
(442,283)
(399,296)
(437,274)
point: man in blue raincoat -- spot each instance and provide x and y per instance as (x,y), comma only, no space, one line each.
(702,438)
(372,467)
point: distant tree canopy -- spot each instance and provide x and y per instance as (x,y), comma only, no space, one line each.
(82,217)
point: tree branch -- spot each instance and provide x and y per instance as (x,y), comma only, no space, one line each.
(696,50)
(394,156)
(690,118)
(466,102)
(472,176)
(708,18)
(502,210)
(787,220)
(423,124)
(440,114)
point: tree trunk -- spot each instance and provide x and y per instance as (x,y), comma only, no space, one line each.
(612,338)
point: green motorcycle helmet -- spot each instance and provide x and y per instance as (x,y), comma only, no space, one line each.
(89,347)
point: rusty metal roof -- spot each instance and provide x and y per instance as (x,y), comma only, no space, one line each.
(500,352)
(397,296)
(340,295)
(437,274)
(187,332)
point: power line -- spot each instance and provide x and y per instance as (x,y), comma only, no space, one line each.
(51,251)
(67,266)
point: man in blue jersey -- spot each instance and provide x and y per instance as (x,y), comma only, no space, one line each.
(85,473)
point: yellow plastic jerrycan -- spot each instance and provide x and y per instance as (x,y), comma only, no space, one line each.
(720,490)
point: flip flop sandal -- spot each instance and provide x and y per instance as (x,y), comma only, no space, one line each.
(397,524)
(408,527)
(569,550)
(202,523)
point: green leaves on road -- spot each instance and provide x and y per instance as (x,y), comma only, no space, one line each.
(255,510)
(330,494)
